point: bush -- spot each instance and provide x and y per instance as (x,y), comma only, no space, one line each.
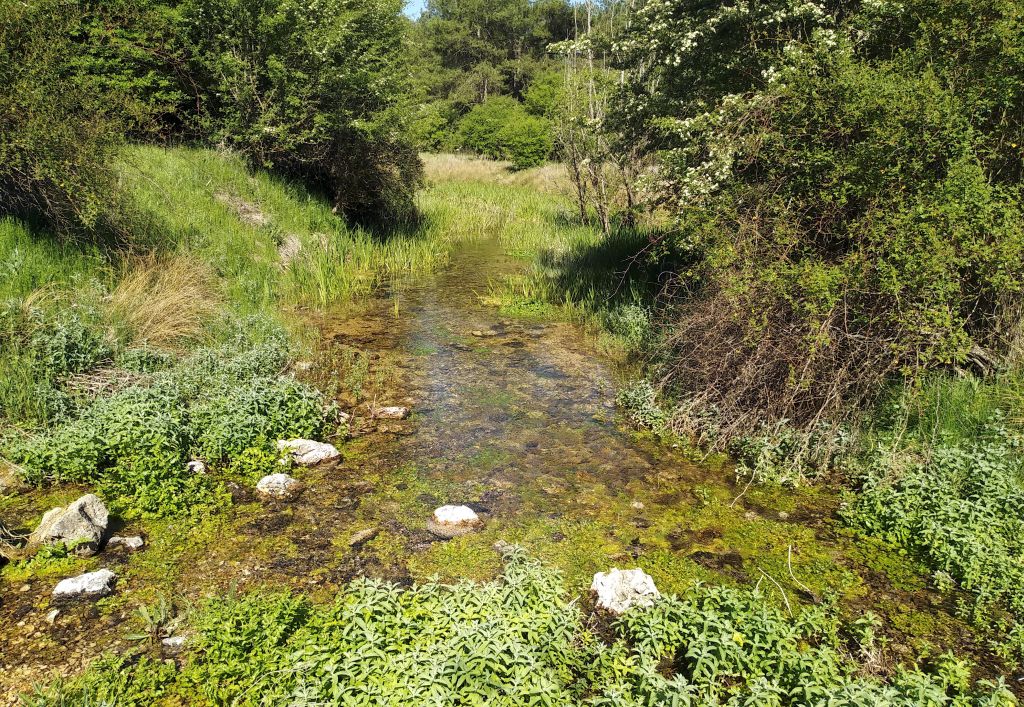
(849,194)
(500,128)
(215,404)
(521,641)
(958,505)
(312,89)
(58,138)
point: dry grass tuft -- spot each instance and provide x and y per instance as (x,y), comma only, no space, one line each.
(550,177)
(163,301)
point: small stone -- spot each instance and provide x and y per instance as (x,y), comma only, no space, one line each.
(638,505)
(196,467)
(52,616)
(25,588)
(620,590)
(308,452)
(89,585)
(750,516)
(81,525)
(279,486)
(174,644)
(783,515)
(133,542)
(452,521)
(484,333)
(392,412)
(359,539)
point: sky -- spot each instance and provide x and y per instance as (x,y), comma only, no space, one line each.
(413,8)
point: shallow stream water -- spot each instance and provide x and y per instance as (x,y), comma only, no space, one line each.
(517,420)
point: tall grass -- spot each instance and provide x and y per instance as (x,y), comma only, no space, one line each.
(271,242)
(162,301)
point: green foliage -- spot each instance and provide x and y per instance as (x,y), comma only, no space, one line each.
(213,404)
(501,128)
(520,641)
(853,192)
(311,89)
(959,505)
(111,680)
(254,463)
(57,137)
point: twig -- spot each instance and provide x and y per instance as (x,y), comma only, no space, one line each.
(789,564)
(781,590)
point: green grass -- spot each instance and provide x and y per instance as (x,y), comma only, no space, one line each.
(270,241)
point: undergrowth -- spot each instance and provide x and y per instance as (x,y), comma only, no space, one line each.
(520,641)
(213,405)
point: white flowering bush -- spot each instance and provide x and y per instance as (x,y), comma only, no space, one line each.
(848,179)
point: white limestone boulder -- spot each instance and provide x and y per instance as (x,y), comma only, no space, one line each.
(279,487)
(619,590)
(80,526)
(307,452)
(452,521)
(91,585)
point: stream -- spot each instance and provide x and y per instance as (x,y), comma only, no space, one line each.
(517,420)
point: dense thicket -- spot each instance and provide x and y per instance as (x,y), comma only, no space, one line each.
(468,54)
(57,137)
(314,90)
(847,177)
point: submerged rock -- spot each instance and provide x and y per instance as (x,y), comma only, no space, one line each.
(359,539)
(392,412)
(452,521)
(90,585)
(279,486)
(308,452)
(133,542)
(80,525)
(619,590)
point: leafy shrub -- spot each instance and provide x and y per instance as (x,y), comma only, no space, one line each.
(157,485)
(521,641)
(254,463)
(639,400)
(255,414)
(215,404)
(310,88)
(783,454)
(57,138)
(850,180)
(501,128)
(111,680)
(960,507)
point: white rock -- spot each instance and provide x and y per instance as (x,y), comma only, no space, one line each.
(308,452)
(452,521)
(196,466)
(618,590)
(52,616)
(174,644)
(133,542)
(81,525)
(90,585)
(392,412)
(279,486)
